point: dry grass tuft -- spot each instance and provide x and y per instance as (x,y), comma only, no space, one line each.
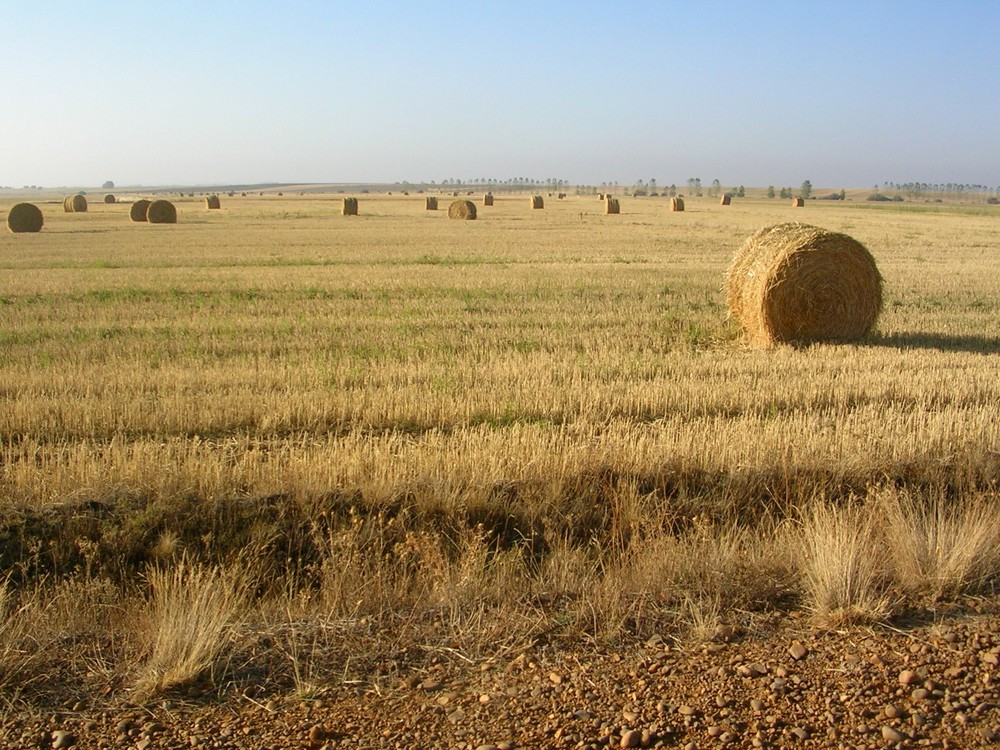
(25,217)
(462,210)
(942,547)
(161,212)
(192,613)
(138,210)
(841,566)
(795,282)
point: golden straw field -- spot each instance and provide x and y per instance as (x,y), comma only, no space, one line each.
(477,431)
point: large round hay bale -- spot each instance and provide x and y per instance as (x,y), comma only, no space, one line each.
(488,199)
(611,206)
(462,210)
(676,204)
(537,201)
(109,198)
(432,203)
(77,204)
(798,202)
(138,210)
(727,199)
(161,212)
(350,207)
(25,217)
(213,201)
(798,283)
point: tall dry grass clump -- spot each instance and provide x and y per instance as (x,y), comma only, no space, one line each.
(611,206)
(537,201)
(161,212)
(942,547)
(213,202)
(25,217)
(109,198)
(488,199)
(676,204)
(462,210)
(193,610)
(841,565)
(796,283)
(138,210)
(431,203)
(350,207)
(75,204)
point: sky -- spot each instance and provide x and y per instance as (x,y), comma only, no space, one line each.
(844,94)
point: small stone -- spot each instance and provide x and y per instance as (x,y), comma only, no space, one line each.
(630,716)
(798,651)
(62,738)
(686,710)
(430,684)
(317,733)
(144,744)
(555,678)
(801,732)
(892,735)
(631,738)
(757,705)
(908,677)
(920,694)
(892,712)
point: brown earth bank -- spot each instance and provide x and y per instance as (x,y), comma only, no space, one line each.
(928,681)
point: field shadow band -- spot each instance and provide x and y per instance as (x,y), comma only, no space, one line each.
(939,341)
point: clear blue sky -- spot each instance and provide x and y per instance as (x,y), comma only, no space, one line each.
(845,94)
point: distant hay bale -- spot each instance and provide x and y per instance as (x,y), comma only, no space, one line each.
(462,210)
(676,204)
(537,201)
(350,207)
(138,210)
(161,212)
(611,206)
(212,202)
(560,196)
(488,199)
(25,217)
(75,204)
(109,198)
(431,203)
(726,199)
(797,283)
(798,202)
(600,196)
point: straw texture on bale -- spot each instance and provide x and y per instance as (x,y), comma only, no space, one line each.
(350,207)
(462,210)
(109,198)
(138,210)
(161,212)
(798,283)
(676,204)
(431,203)
(611,206)
(25,217)
(213,201)
(488,199)
(75,204)
(726,200)
(798,202)
(537,201)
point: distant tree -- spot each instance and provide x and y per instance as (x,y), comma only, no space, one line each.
(843,194)
(109,185)
(741,192)
(673,190)
(806,190)
(785,193)
(714,190)
(770,191)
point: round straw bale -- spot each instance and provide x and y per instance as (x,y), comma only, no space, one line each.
(727,199)
(138,210)
(798,283)
(161,212)
(537,201)
(676,204)
(213,201)
(612,206)
(431,203)
(350,207)
(25,217)
(462,210)
(109,198)
(798,202)
(488,199)
(75,204)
